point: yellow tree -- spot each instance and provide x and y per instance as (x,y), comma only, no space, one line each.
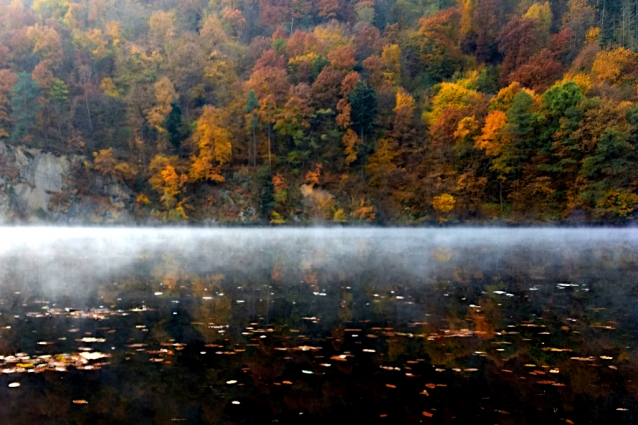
(467,9)
(391,57)
(213,143)
(404,111)
(7,81)
(381,165)
(616,66)
(165,94)
(168,182)
(542,14)
(161,28)
(451,96)
(443,204)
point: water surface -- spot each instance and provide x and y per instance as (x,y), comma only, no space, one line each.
(198,326)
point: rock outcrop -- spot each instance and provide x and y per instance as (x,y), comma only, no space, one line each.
(39,185)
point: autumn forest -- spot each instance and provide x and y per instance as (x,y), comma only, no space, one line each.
(293,111)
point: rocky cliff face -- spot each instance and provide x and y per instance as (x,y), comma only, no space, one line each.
(38,185)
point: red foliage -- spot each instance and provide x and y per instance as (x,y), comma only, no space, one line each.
(270,59)
(301,43)
(273,12)
(519,41)
(325,89)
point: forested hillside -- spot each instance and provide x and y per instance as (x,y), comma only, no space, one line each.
(284,111)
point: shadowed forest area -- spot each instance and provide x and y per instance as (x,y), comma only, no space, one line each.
(284,111)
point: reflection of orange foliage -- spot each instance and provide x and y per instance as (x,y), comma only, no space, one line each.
(276,274)
(482,327)
(170,281)
(311,278)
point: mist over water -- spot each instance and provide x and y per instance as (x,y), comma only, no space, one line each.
(148,325)
(73,260)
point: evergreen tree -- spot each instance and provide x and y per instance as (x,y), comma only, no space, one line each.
(23,107)
(173,124)
(364,108)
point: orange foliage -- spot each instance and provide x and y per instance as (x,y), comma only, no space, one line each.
(342,58)
(615,66)
(7,80)
(491,141)
(312,176)
(352,142)
(213,142)
(365,213)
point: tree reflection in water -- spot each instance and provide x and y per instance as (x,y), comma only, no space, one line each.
(369,327)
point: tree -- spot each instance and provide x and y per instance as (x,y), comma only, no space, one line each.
(437,44)
(252,122)
(167,180)
(519,40)
(381,166)
(7,81)
(391,58)
(404,111)
(363,101)
(609,171)
(326,87)
(58,95)
(328,8)
(24,107)
(616,67)
(443,204)
(342,58)
(273,12)
(165,95)
(214,146)
(173,125)
(351,142)
(542,14)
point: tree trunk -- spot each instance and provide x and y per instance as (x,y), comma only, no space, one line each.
(269,154)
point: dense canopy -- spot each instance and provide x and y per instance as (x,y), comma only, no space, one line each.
(389,111)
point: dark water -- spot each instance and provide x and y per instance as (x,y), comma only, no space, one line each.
(117,326)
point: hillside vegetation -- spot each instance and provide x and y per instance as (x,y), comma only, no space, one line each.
(284,111)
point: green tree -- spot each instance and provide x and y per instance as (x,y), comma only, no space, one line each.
(24,107)
(610,170)
(363,100)
(173,125)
